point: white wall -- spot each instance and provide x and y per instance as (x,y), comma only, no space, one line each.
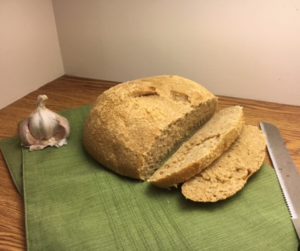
(29,49)
(240,48)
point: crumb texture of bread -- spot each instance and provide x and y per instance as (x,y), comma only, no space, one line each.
(206,145)
(229,173)
(133,126)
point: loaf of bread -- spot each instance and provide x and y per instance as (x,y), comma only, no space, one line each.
(230,172)
(133,126)
(206,145)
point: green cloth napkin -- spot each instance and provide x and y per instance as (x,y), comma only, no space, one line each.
(73,203)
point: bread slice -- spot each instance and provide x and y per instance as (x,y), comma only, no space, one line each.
(202,149)
(134,126)
(230,172)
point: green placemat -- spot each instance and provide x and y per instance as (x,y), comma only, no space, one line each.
(73,203)
(12,153)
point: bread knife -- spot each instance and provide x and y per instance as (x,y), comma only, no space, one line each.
(286,171)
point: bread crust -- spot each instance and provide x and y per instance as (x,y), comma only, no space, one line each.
(206,145)
(133,126)
(230,172)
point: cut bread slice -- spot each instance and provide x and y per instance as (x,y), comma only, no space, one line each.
(230,172)
(206,145)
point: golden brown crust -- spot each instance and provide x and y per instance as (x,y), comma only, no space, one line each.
(230,172)
(202,149)
(134,125)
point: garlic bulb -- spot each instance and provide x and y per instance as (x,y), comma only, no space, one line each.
(44,128)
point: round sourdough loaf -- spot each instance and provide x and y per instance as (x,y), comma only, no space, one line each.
(134,126)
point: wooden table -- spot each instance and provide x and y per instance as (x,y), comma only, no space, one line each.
(69,92)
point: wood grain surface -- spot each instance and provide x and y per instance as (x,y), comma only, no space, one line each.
(69,92)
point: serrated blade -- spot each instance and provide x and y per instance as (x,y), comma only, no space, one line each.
(286,171)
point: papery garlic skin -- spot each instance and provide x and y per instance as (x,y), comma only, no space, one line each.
(44,128)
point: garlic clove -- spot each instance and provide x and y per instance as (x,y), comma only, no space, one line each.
(44,128)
